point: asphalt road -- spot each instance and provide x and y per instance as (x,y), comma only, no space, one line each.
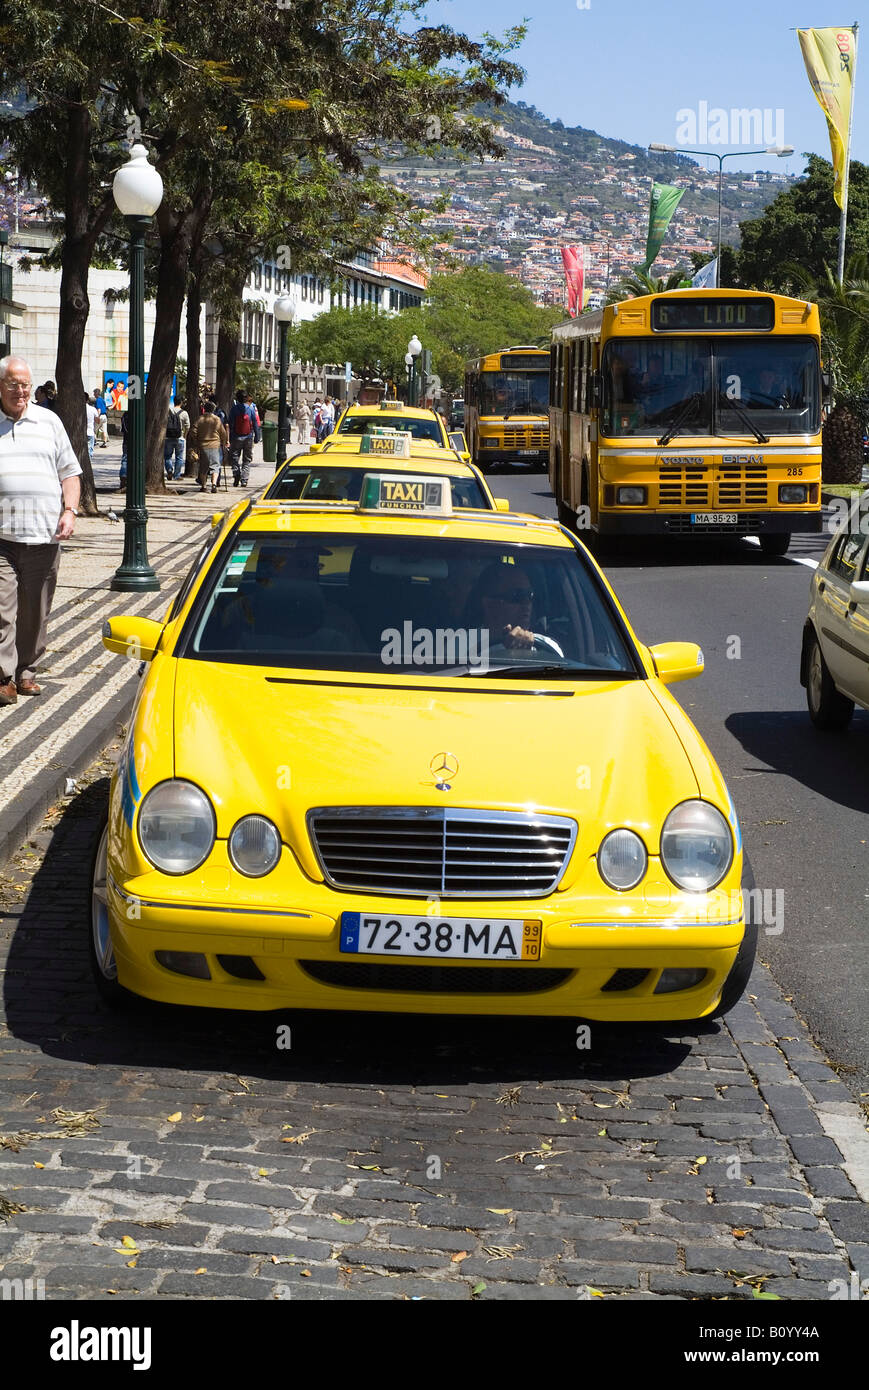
(802,796)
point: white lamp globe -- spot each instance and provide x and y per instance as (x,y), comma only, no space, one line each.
(414,347)
(408,359)
(285,309)
(137,188)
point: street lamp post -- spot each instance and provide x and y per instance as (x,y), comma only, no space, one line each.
(408,362)
(285,312)
(414,348)
(138,191)
(781,150)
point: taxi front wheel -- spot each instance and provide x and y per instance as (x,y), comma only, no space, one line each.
(100,950)
(828,708)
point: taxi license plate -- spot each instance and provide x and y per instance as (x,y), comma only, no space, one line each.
(375,934)
(714,518)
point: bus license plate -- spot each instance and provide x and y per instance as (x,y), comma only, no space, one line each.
(479,938)
(714,518)
(528,452)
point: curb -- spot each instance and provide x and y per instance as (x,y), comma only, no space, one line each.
(22,817)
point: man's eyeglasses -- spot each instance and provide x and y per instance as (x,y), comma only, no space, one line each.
(17,386)
(513,596)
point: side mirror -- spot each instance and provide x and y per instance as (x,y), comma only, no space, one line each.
(859,591)
(217,519)
(677,661)
(502,504)
(137,638)
(458,442)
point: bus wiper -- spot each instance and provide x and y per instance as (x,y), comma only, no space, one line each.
(682,418)
(744,416)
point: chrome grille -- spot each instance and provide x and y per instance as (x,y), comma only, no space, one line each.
(419,851)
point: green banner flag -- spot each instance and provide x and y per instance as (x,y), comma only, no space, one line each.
(663,203)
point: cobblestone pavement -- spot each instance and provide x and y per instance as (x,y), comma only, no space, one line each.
(179,1154)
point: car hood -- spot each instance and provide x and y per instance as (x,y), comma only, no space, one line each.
(606,754)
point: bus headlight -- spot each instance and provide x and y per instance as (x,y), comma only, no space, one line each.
(176,827)
(793,493)
(622,859)
(696,846)
(631,496)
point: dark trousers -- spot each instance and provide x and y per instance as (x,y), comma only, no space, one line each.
(28,578)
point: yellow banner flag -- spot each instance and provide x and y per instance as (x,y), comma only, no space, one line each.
(830,56)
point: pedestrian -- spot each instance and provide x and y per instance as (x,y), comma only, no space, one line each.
(49,392)
(177,425)
(39,494)
(327,419)
(102,418)
(244,431)
(123,473)
(315,417)
(207,442)
(303,422)
(91,412)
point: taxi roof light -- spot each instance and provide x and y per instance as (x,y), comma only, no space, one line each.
(397,492)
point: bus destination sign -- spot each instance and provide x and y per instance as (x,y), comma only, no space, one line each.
(712,315)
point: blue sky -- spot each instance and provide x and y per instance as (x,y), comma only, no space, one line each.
(627,67)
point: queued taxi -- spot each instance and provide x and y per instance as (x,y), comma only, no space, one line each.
(423,425)
(388,756)
(834,666)
(337,471)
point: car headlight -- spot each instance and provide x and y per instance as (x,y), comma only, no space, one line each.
(254,846)
(696,846)
(176,827)
(622,859)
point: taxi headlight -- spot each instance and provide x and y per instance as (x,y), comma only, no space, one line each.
(176,827)
(696,846)
(254,846)
(622,859)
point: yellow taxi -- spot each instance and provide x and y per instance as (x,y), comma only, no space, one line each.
(341,463)
(386,756)
(421,424)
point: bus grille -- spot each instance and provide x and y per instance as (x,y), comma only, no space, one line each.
(418,851)
(526,439)
(742,487)
(683,487)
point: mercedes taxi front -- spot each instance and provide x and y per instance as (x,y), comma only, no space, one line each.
(385,756)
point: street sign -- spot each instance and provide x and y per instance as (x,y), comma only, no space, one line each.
(348,371)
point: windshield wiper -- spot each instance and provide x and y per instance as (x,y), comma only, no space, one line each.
(682,418)
(744,416)
(548,669)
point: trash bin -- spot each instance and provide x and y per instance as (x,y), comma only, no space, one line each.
(270,442)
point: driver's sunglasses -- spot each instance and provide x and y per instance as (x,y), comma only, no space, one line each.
(513,596)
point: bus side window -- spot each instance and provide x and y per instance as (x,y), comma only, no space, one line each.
(583,385)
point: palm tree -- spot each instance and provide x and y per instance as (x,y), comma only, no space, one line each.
(640,282)
(844,310)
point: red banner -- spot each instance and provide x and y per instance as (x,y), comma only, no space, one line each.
(574,268)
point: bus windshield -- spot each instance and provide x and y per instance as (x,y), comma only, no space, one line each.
(514,393)
(707,386)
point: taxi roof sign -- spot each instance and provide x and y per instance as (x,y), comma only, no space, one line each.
(389,444)
(392,405)
(399,492)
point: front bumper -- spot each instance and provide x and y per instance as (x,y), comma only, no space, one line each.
(622,522)
(295,948)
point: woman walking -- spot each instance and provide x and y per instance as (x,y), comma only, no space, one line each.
(207,440)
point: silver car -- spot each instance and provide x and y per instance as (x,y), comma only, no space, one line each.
(834,666)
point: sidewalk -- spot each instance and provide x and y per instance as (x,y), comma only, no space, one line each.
(87,692)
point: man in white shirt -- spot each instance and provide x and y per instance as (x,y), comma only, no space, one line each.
(92,416)
(39,494)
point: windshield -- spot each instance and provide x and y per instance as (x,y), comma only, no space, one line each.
(364,424)
(345,485)
(707,386)
(514,393)
(420,605)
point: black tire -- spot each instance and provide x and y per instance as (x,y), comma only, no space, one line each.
(740,970)
(828,708)
(775,543)
(100,951)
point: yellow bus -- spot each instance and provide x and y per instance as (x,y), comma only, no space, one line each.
(693,412)
(507,407)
